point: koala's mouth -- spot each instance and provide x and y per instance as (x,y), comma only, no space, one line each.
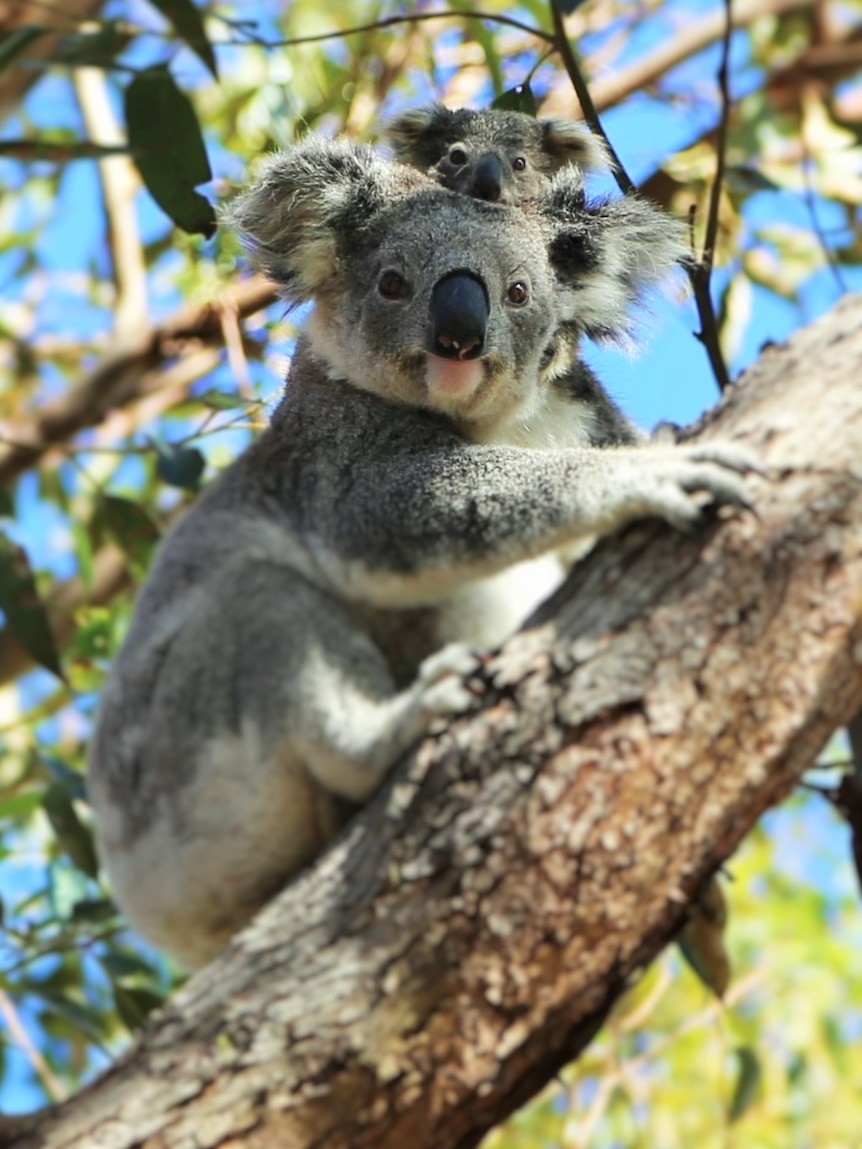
(449,380)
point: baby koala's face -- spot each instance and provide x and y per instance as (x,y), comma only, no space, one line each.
(501,157)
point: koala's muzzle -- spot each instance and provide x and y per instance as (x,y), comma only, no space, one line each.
(488,179)
(459,316)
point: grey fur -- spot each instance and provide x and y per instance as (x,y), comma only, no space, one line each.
(611,245)
(528,151)
(305,622)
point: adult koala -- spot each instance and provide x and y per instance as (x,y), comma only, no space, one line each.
(293,638)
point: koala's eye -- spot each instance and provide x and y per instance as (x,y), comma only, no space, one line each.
(518,293)
(458,157)
(519,163)
(392,285)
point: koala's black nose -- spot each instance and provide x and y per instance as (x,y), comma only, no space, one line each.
(488,179)
(459,316)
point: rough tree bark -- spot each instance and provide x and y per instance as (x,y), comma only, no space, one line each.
(468,933)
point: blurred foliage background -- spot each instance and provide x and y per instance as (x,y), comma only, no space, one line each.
(136,359)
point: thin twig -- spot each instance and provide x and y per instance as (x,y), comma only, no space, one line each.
(700,273)
(50,1082)
(413,18)
(808,195)
(570,63)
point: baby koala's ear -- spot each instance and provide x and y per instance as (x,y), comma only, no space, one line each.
(571,142)
(606,254)
(405,133)
(304,202)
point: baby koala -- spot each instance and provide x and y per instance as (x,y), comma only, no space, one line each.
(305,621)
(498,156)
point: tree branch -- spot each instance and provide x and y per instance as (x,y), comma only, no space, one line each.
(466,935)
(692,37)
(119,185)
(700,272)
(122,376)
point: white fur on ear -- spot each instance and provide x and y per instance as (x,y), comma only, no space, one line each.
(572,142)
(303,200)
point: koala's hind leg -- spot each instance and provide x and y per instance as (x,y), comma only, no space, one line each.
(352,723)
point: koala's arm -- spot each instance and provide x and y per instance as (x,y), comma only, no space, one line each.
(414,528)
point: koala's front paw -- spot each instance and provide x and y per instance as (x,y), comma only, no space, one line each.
(715,469)
(441,680)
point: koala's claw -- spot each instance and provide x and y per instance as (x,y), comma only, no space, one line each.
(441,677)
(732,456)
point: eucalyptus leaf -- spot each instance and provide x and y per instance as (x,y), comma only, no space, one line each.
(189,25)
(24,610)
(15,42)
(519,99)
(168,149)
(181,467)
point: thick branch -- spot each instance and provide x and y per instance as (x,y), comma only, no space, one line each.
(121,376)
(465,936)
(692,37)
(27,69)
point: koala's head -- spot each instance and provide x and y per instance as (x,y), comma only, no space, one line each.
(502,157)
(437,300)
(422,296)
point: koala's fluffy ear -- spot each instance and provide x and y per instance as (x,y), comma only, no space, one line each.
(570,142)
(404,134)
(607,254)
(305,200)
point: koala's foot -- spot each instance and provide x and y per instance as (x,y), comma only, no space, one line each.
(672,477)
(441,680)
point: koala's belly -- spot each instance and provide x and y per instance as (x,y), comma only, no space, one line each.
(485,613)
(481,614)
(219,849)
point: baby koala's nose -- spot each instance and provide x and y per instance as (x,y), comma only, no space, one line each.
(488,179)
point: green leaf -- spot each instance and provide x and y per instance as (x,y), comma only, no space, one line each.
(7,504)
(25,613)
(567,6)
(125,965)
(71,781)
(74,837)
(181,467)
(82,1018)
(189,25)
(747,1081)
(701,940)
(224,400)
(83,546)
(131,528)
(14,43)
(519,99)
(67,886)
(93,910)
(96,49)
(94,638)
(134,1004)
(19,807)
(168,149)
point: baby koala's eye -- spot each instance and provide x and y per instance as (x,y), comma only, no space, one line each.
(518,293)
(519,163)
(457,156)
(393,285)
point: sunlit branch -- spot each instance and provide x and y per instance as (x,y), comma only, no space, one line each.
(700,273)
(413,18)
(573,70)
